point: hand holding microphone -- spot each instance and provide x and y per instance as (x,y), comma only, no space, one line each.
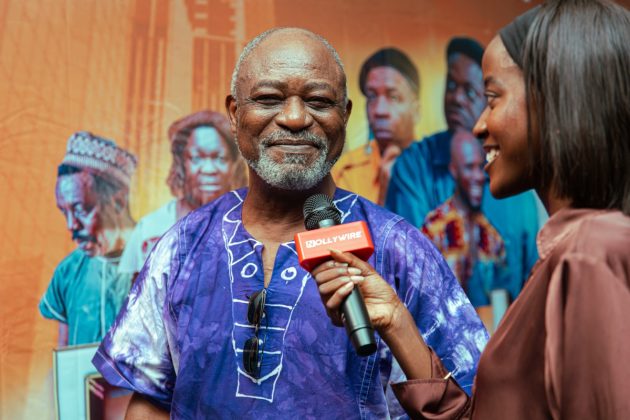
(344,302)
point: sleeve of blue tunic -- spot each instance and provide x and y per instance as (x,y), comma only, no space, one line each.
(406,194)
(445,317)
(138,352)
(52,305)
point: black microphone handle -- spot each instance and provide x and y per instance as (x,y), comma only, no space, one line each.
(357,322)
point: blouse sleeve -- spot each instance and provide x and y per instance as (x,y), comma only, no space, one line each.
(437,398)
(588,336)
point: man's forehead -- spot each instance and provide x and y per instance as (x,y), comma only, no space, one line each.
(74,184)
(386,76)
(290,48)
(465,144)
(461,63)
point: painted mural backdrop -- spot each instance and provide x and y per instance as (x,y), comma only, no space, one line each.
(126,70)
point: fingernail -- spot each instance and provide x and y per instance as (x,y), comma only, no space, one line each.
(354,270)
(357,278)
(348,286)
(340,264)
(336,251)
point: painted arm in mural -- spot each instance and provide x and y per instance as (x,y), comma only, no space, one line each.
(141,409)
(62,339)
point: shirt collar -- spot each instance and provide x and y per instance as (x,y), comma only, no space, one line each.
(559,226)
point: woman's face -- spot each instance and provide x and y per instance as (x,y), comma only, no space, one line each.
(503,123)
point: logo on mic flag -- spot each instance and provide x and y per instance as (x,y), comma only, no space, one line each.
(313,246)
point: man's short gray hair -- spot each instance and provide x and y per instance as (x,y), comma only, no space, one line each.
(251,46)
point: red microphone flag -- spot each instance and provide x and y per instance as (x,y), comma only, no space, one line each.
(313,246)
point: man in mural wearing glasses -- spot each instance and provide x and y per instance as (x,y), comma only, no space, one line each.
(223,322)
(86,291)
(421,180)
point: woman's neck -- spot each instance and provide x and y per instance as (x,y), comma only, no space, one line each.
(551,200)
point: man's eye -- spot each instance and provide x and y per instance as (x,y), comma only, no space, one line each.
(320,102)
(79,210)
(268,99)
(472,93)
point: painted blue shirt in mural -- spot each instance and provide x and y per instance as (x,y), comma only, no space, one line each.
(86,293)
(421,181)
(179,339)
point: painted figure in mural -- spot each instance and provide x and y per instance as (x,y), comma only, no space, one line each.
(391,84)
(471,246)
(224,322)
(206,164)
(561,351)
(421,179)
(86,291)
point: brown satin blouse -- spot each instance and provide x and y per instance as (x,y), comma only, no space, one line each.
(563,348)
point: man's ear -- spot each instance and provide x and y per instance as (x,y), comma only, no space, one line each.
(119,200)
(452,169)
(417,112)
(348,112)
(231,108)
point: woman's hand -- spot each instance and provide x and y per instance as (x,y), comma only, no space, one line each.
(336,279)
(392,320)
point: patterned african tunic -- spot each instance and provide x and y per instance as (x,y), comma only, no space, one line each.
(179,339)
(477,258)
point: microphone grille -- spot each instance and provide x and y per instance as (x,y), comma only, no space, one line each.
(320,207)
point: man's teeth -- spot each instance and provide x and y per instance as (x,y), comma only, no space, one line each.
(492,155)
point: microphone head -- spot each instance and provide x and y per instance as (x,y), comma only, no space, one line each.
(319,208)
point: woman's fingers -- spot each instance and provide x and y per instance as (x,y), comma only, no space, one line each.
(336,272)
(333,303)
(352,261)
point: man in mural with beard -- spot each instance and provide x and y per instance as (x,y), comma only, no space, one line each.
(391,84)
(421,179)
(206,163)
(469,243)
(223,322)
(92,192)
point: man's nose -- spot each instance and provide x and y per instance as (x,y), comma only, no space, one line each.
(294,115)
(210,166)
(72,222)
(381,107)
(459,95)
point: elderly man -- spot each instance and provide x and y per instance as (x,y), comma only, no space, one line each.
(86,292)
(205,165)
(390,83)
(421,179)
(470,244)
(223,322)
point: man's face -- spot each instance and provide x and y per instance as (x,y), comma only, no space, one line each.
(207,165)
(467,162)
(392,107)
(463,99)
(86,217)
(289,115)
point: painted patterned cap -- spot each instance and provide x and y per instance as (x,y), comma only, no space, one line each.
(93,153)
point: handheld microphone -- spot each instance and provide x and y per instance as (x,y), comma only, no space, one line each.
(324,231)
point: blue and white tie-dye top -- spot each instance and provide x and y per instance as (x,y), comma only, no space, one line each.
(179,337)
